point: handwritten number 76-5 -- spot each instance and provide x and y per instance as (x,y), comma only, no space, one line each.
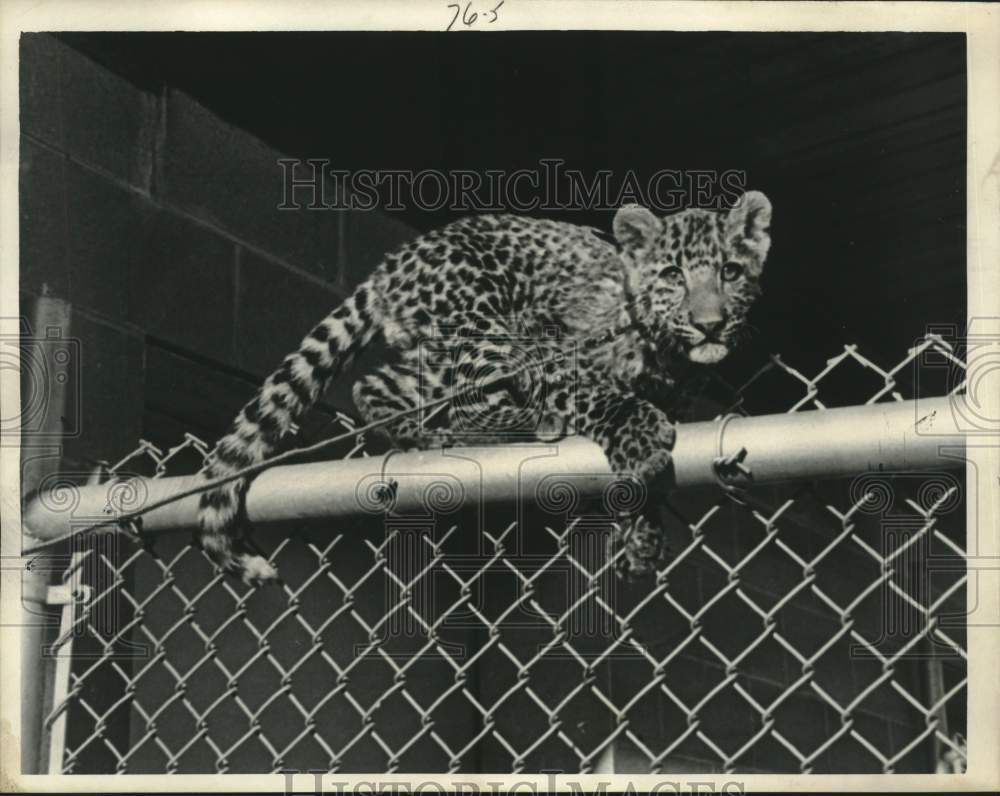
(469,17)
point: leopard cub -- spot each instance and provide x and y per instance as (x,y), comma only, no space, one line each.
(661,289)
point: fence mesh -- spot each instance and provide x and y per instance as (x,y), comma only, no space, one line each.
(816,627)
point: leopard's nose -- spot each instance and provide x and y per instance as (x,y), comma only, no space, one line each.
(708,326)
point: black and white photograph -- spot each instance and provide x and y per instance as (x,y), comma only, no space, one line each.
(602,405)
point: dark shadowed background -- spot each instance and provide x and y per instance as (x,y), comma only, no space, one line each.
(859,139)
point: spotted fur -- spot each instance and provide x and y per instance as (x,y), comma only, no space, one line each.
(487,294)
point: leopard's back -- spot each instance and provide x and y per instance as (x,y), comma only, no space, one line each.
(524,270)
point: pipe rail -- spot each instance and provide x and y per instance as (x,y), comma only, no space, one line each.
(829,443)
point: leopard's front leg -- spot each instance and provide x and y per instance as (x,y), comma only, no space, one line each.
(637,438)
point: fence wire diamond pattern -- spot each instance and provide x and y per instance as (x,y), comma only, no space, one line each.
(809,628)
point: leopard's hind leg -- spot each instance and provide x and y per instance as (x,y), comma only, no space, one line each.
(393,390)
(459,396)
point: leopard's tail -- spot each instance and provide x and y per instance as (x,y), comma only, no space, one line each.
(286,395)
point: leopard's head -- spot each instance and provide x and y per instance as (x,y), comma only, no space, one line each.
(693,275)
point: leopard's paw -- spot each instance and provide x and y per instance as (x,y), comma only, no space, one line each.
(654,466)
(643,549)
(256,570)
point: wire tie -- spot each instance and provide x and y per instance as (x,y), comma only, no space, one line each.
(388,487)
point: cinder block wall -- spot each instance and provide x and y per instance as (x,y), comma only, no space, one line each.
(157,221)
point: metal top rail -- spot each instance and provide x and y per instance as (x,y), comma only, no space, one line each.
(897,435)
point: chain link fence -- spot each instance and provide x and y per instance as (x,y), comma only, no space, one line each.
(809,627)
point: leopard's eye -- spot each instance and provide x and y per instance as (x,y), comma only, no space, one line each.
(731,272)
(672,275)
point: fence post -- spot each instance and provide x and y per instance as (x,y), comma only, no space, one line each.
(34,635)
(36,629)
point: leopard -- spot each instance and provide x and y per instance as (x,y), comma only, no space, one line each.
(609,319)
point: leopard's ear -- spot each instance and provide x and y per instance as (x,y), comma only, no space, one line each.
(748,223)
(635,226)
